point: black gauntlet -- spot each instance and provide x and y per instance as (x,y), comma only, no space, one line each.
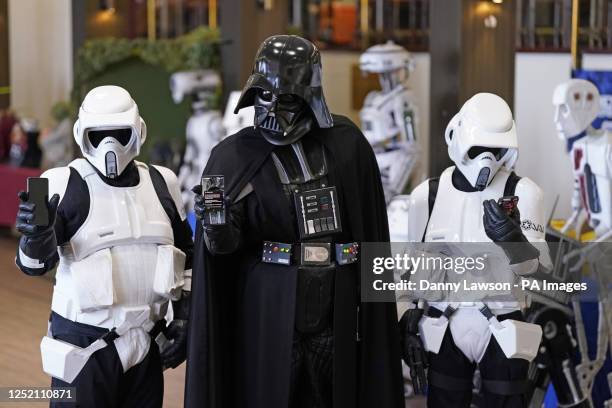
(37,252)
(176,352)
(413,351)
(221,239)
(504,229)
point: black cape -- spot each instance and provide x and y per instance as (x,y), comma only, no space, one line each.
(241,324)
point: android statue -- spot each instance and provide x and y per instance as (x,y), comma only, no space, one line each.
(116,230)
(204,127)
(467,204)
(577,104)
(388,117)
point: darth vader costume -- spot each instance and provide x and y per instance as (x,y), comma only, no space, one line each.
(276,319)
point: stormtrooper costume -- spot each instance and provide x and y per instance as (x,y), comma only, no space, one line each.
(388,116)
(577,104)
(122,247)
(204,127)
(461,206)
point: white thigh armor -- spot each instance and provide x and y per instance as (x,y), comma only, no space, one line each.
(120,269)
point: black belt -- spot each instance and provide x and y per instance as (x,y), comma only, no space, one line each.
(309,254)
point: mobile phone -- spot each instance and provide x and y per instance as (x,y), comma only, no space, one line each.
(214,199)
(508,204)
(38,193)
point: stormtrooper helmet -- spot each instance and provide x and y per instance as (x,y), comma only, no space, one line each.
(109,129)
(481,138)
(576,106)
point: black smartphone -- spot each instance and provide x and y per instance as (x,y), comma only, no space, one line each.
(38,193)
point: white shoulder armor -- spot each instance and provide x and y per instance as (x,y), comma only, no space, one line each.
(174,188)
(531,208)
(58,180)
(418,212)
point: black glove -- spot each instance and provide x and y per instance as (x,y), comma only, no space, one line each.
(504,229)
(413,352)
(499,226)
(37,241)
(176,352)
(26,214)
(225,238)
(200,209)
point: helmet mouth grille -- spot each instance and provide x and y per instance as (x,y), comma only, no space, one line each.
(270,123)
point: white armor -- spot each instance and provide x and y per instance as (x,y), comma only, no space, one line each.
(121,263)
(204,127)
(388,117)
(457,216)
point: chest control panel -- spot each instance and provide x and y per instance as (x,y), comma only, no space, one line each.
(318,212)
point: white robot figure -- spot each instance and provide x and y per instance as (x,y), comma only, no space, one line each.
(461,206)
(204,127)
(388,117)
(234,122)
(117,232)
(577,104)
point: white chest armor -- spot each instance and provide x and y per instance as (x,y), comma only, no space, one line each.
(457,215)
(592,160)
(119,215)
(121,257)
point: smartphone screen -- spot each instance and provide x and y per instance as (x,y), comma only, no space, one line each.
(38,193)
(214,198)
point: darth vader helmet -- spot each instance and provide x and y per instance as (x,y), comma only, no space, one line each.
(285,89)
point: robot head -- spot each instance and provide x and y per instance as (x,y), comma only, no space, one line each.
(109,129)
(481,138)
(285,89)
(390,61)
(576,106)
(185,83)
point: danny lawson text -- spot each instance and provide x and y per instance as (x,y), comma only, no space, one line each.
(525,284)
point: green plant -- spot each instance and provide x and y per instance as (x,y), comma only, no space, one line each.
(194,50)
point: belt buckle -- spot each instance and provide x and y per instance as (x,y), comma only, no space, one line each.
(315,254)
(347,253)
(276,253)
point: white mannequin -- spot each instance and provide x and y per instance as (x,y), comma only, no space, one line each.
(577,104)
(204,127)
(388,117)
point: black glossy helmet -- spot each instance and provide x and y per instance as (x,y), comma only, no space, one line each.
(288,64)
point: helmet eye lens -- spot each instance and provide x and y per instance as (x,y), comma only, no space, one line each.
(478,150)
(122,135)
(265,95)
